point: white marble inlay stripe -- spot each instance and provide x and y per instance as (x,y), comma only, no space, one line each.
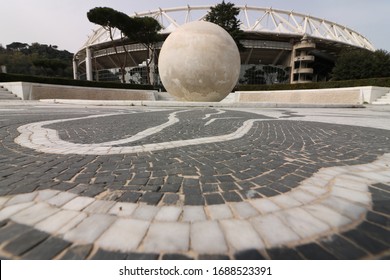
(35,136)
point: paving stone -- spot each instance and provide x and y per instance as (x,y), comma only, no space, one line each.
(108,255)
(379,233)
(194,199)
(240,235)
(208,238)
(191,189)
(327,215)
(193,214)
(354,196)
(78,252)
(209,188)
(123,235)
(78,203)
(3,201)
(151,198)
(57,221)
(21,198)
(342,248)
(47,250)
(170,199)
(219,212)
(171,188)
(273,231)
(142,256)
(231,196)
(145,212)
(34,214)
(25,242)
(313,251)
(378,219)
(284,254)
(213,198)
(213,257)
(72,223)
(244,210)
(9,211)
(345,208)
(45,195)
(176,257)
(382,186)
(167,237)
(130,197)
(89,229)
(302,222)
(168,214)
(100,207)
(268,192)
(12,231)
(123,209)
(302,196)
(366,242)
(249,255)
(264,205)
(286,201)
(61,198)
(4,223)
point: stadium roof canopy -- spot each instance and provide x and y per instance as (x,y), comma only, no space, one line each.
(256,20)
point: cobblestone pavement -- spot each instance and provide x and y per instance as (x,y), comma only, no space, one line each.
(79,182)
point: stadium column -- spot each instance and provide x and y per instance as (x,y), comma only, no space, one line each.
(75,69)
(88,63)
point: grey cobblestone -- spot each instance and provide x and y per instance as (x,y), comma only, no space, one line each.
(271,160)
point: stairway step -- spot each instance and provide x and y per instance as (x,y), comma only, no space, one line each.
(381,102)
(5,94)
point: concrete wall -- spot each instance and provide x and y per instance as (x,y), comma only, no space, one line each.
(354,95)
(33,91)
(351,96)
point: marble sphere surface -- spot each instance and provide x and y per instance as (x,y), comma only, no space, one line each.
(199,61)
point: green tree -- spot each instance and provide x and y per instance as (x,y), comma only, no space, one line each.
(111,19)
(145,30)
(36,59)
(361,64)
(17,46)
(225,15)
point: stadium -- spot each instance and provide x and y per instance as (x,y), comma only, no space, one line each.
(280,47)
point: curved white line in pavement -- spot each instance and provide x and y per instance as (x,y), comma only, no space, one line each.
(35,136)
(332,200)
(219,112)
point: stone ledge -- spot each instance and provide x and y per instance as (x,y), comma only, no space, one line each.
(36,91)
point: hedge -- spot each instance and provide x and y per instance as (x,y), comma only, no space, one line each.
(69,82)
(379,82)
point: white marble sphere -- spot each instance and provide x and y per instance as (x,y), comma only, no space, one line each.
(199,61)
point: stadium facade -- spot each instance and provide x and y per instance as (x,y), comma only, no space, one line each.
(280,47)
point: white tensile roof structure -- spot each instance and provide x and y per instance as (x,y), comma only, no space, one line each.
(253,19)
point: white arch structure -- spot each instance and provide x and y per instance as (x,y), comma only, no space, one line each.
(253,20)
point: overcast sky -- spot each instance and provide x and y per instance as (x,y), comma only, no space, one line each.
(64,22)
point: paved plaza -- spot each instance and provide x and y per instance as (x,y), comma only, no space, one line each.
(143,182)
